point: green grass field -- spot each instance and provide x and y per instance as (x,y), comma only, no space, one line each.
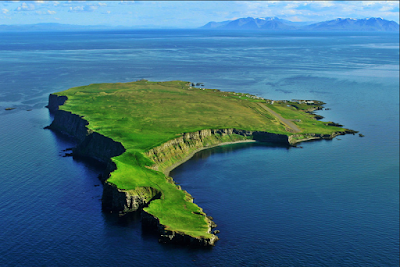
(143,115)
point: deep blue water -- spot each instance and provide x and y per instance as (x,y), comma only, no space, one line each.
(329,203)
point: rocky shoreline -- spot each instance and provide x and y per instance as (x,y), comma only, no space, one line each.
(175,237)
(101,148)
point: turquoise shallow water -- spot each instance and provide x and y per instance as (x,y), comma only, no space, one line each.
(329,203)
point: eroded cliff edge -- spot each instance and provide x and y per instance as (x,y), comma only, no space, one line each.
(101,148)
(171,153)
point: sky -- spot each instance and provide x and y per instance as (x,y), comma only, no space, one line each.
(186,14)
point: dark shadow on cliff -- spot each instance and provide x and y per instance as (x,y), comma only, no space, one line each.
(65,143)
(62,139)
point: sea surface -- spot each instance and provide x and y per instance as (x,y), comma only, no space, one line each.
(323,203)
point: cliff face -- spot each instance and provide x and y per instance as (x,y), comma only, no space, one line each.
(123,201)
(98,147)
(179,148)
(70,124)
(101,148)
(55,101)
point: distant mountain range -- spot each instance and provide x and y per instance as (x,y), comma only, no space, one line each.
(49,27)
(250,23)
(277,24)
(270,23)
(67,27)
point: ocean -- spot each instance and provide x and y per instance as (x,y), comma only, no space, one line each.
(322,203)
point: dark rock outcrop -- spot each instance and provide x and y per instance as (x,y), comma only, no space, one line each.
(70,124)
(55,101)
(124,201)
(168,236)
(98,147)
(297,138)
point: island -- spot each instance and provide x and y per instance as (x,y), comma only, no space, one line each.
(142,130)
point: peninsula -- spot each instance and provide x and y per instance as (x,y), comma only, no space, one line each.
(141,130)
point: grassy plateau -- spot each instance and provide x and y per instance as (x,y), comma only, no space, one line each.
(143,115)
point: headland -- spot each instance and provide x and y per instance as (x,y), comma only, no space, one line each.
(142,130)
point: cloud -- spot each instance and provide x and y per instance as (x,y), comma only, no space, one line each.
(87,8)
(325,3)
(75,9)
(5,11)
(39,2)
(127,2)
(369,3)
(254,9)
(292,5)
(25,7)
(386,8)
(45,12)
(102,4)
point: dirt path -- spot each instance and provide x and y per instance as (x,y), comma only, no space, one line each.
(289,125)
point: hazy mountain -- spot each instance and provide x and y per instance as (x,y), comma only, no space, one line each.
(271,23)
(349,24)
(51,27)
(276,24)
(213,24)
(69,27)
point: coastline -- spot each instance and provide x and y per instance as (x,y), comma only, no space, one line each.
(188,157)
(92,144)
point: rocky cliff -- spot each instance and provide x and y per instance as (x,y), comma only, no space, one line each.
(175,150)
(168,236)
(55,101)
(90,144)
(70,124)
(124,201)
(297,138)
(101,148)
